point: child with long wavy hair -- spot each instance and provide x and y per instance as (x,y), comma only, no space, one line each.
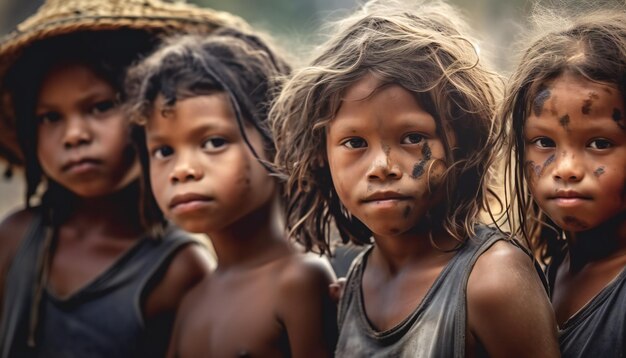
(564,111)
(388,133)
(203,104)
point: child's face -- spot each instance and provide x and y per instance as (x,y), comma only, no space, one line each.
(382,149)
(575,152)
(204,176)
(82,135)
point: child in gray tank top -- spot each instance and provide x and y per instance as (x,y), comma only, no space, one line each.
(388,133)
(565,111)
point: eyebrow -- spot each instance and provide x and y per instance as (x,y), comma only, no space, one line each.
(88,97)
(194,132)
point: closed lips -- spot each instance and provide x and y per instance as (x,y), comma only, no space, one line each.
(73,163)
(186,198)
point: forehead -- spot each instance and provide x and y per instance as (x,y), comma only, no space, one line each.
(76,76)
(576,91)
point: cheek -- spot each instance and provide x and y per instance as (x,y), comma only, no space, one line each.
(46,151)
(158,182)
(338,171)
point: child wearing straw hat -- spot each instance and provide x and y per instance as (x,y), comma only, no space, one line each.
(80,274)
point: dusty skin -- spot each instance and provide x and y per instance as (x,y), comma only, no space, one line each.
(373,145)
(582,190)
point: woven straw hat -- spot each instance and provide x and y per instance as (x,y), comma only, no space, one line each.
(59,17)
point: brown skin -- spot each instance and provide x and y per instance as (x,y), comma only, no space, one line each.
(376,145)
(589,173)
(78,120)
(264,299)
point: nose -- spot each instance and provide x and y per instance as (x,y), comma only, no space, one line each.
(186,169)
(383,167)
(77,132)
(568,168)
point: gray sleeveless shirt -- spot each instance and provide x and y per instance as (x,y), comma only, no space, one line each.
(102,319)
(598,329)
(436,328)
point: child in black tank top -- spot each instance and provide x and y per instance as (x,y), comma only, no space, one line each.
(565,109)
(79,273)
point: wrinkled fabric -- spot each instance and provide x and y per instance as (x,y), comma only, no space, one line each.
(436,328)
(598,329)
(102,319)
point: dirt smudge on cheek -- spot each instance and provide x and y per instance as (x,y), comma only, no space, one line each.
(564,122)
(406,212)
(548,161)
(598,171)
(532,169)
(420,167)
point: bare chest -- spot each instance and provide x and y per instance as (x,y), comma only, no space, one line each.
(236,318)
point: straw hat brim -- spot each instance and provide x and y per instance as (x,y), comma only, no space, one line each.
(165,18)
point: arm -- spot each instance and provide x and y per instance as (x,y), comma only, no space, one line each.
(12,231)
(307,310)
(509,313)
(190,266)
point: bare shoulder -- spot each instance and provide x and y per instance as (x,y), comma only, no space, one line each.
(306,270)
(306,308)
(189,266)
(508,310)
(499,272)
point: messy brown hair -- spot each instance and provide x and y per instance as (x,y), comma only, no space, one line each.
(590,44)
(242,65)
(421,47)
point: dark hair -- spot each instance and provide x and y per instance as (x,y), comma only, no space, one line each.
(241,65)
(107,53)
(423,48)
(591,45)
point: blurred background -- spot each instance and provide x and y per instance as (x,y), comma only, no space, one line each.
(295,24)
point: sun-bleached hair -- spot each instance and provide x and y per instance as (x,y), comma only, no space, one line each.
(422,47)
(590,44)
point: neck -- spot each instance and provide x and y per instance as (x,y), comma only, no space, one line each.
(251,241)
(602,242)
(115,215)
(395,252)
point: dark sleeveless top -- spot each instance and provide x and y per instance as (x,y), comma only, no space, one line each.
(102,319)
(598,329)
(436,328)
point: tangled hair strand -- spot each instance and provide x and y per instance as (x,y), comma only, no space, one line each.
(421,47)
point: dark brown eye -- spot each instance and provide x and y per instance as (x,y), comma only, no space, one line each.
(355,143)
(600,144)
